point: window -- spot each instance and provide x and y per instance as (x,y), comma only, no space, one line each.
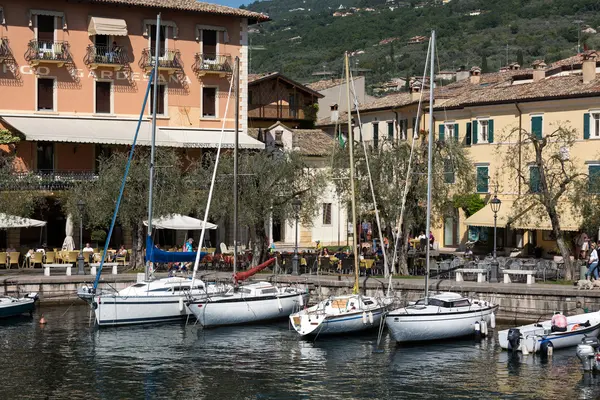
(45,94)
(103,98)
(102,40)
(449,171)
(163,34)
(209,102)
(375,134)
(594,178)
(209,44)
(534,179)
(45,30)
(482,179)
(160,101)
(483,131)
(45,156)
(250,102)
(403,129)
(448,130)
(595,125)
(536,126)
(326,213)
(390,131)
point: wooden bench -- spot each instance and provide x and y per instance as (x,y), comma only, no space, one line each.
(481,274)
(94,266)
(530,275)
(48,266)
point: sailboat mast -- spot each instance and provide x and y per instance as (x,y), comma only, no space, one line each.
(352,188)
(153,141)
(429,160)
(235,165)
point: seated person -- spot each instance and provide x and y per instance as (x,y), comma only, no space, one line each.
(559,322)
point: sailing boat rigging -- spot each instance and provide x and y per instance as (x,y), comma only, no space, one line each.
(255,302)
(444,315)
(351,313)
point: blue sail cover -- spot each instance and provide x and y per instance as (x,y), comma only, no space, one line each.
(160,256)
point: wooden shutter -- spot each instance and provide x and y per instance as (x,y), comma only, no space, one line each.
(594,178)
(475,126)
(456,132)
(468,134)
(490,131)
(391,131)
(482,179)
(534,179)
(586,125)
(536,126)
(442,130)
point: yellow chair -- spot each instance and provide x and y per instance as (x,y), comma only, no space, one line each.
(123,259)
(4,259)
(13,258)
(50,257)
(71,257)
(87,256)
(36,258)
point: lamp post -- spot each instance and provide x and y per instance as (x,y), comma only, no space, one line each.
(80,261)
(495,205)
(296,205)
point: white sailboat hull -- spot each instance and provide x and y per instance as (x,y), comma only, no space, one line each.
(232,310)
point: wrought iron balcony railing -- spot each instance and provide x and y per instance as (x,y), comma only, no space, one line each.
(45,180)
(212,63)
(5,53)
(106,56)
(167,59)
(48,51)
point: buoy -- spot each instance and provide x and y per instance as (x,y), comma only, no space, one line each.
(524,349)
(279,304)
(477,330)
(181,304)
(42,320)
(364,317)
(493,321)
(371,317)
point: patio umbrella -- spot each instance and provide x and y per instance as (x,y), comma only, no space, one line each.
(68,243)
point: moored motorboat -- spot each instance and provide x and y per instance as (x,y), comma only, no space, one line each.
(535,337)
(442,316)
(340,315)
(13,306)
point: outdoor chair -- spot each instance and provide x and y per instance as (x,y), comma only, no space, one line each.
(13,259)
(4,259)
(122,259)
(71,257)
(36,258)
(50,257)
(87,256)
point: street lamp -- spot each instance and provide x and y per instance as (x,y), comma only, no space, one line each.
(495,204)
(80,261)
(296,205)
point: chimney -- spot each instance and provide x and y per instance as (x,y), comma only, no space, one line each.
(588,66)
(415,90)
(461,74)
(475,75)
(514,66)
(335,114)
(539,70)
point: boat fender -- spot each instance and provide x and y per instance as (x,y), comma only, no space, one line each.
(524,349)
(484,330)
(550,349)
(575,327)
(477,330)
(514,339)
(493,321)
(364,318)
(371,317)
(546,348)
(279,305)
(301,301)
(181,304)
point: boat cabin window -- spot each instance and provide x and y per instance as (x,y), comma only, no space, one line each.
(367,302)
(245,291)
(434,302)
(139,285)
(269,291)
(461,303)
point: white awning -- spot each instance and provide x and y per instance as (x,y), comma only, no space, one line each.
(13,221)
(107,26)
(180,223)
(119,131)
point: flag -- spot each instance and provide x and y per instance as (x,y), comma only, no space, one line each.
(341,140)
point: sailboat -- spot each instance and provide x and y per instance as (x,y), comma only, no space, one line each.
(251,303)
(149,300)
(349,313)
(444,315)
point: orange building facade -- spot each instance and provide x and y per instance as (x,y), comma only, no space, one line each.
(73,76)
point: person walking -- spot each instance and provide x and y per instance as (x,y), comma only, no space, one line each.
(592,263)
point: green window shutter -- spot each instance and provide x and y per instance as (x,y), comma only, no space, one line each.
(415,128)
(482,179)
(490,131)
(468,134)
(475,126)
(456,132)
(375,134)
(442,132)
(536,126)
(448,171)
(405,128)
(586,126)
(534,179)
(391,131)
(594,182)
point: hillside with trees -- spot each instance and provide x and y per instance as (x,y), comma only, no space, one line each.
(310,36)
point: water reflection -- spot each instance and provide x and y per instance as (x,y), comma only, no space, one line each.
(66,359)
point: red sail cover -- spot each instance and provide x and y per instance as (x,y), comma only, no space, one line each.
(242,276)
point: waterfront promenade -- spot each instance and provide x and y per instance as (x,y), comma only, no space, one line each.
(516,300)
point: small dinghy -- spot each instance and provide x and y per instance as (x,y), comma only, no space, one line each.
(539,336)
(13,306)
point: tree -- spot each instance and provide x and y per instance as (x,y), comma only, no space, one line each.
(547,179)
(520,59)
(388,164)
(484,64)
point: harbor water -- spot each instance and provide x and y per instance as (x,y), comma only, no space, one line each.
(66,359)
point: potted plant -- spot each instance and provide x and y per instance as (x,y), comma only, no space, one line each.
(98,236)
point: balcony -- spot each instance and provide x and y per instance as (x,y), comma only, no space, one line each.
(114,57)
(5,53)
(169,61)
(277,112)
(47,180)
(212,64)
(48,52)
